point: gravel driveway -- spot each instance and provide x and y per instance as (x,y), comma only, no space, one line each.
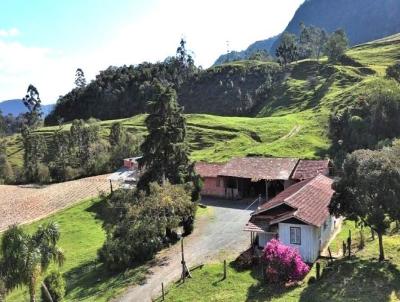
(215,237)
(23,204)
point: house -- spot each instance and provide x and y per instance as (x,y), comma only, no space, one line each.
(250,177)
(128,175)
(298,217)
(132,163)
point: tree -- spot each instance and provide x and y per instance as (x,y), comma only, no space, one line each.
(80,80)
(393,71)
(34,152)
(283,263)
(336,45)
(26,257)
(140,224)
(184,56)
(123,144)
(117,134)
(86,145)
(55,284)
(260,55)
(6,171)
(165,153)
(60,159)
(287,49)
(312,41)
(3,125)
(32,102)
(368,191)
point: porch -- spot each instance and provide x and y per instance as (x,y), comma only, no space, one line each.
(239,188)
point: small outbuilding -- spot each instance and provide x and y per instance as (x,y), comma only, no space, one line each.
(213,184)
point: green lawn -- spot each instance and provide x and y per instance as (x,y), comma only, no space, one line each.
(81,237)
(361,278)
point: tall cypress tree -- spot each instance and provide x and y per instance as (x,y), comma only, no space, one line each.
(165,153)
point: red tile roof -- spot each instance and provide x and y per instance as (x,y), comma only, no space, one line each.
(207,170)
(310,168)
(257,168)
(310,199)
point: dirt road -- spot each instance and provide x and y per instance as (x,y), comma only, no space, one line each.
(22,204)
(214,237)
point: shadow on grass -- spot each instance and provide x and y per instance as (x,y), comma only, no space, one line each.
(92,280)
(261,290)
(355,280)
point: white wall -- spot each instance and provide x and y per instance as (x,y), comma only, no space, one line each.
(326,231)
(310,235)
(263,238)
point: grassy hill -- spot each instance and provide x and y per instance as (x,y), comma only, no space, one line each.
(290,121)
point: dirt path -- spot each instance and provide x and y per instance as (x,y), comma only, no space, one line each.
(215,237)
(23,204)
(292,132)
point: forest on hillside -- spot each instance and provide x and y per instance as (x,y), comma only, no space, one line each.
(229,89)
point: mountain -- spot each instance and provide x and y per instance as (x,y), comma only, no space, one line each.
(245,54)
(363,21)
(15,107)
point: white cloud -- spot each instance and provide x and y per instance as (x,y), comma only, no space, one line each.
(12,32)
(206,25)
(20,66)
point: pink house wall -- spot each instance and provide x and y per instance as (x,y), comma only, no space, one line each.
(213,186)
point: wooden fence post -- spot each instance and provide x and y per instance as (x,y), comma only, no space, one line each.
(344,248)
(330,254)
(318,267)
(111,186)
(349,243)
(162,290)
(372,234)
(224,269)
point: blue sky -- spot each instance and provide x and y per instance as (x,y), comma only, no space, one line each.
(43,42)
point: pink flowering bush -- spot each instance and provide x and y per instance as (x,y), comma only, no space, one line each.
(283,263)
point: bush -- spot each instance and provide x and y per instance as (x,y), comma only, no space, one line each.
(139,225)
(56,285)
(393,71)
(6,172)
(283,263)
(2,290)
(43,173)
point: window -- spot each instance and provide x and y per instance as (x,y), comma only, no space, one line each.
(295,235)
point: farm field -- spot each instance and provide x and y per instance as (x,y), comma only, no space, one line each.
(22,204)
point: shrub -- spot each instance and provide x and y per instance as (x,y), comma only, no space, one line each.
(139,225)
(56,286)
(6,172)
(312,280)
(2,290)
(283,263)
(43,173)
(393,71)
